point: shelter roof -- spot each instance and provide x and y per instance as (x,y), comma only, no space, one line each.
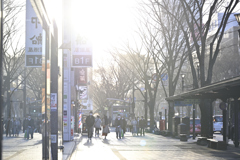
(229,88)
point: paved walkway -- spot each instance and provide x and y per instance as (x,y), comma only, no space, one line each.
(149,147)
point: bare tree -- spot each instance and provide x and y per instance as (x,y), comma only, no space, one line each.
(13,49)
(201,42)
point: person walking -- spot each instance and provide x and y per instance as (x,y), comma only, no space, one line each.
(18,127)
(123,126)
(30,126)
(118,122)
(134,124)
(90,120)
(8,127)
(105,126)
(142,125)
(25,126)
(129,124)
(137,125)
(97,125)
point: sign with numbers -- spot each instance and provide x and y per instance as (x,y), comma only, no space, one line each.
(33,48)
(81,51)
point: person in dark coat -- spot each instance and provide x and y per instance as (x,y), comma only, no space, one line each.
(118,124)
(30,126)
(137,125)
(8,127)
(142,125)
(123,126)
(90,120)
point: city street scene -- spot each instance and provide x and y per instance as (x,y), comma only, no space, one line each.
(119,79)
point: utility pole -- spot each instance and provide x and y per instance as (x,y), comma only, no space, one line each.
(24,94)
(1,76)
(145,102)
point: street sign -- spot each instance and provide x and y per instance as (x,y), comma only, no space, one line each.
(33,48)
(81,60)
(192,101)
(81,49)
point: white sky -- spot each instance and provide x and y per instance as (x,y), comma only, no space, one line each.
(107,22)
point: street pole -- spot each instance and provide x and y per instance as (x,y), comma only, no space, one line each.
(133,100)
(1,77)
(24,94)
(193,121)
(145,102)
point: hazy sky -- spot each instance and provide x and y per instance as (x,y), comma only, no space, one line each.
(107,22)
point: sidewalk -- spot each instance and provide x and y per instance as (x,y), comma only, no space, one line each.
(70,146)
(18,148)
(22,149)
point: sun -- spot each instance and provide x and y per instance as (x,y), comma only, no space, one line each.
(106,23)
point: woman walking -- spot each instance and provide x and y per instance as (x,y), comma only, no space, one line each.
(105,126)
(97,125)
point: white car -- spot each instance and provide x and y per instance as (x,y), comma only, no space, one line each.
(217,123)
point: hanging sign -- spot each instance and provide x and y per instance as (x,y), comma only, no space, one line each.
(33,47)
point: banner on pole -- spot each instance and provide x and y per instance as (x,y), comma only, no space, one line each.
(33,47)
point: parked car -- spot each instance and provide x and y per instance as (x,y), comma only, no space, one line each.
(197,126)
(217,123)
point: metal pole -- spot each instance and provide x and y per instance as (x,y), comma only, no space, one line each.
(145,103)
(24,94)
(193,121)
(1,77)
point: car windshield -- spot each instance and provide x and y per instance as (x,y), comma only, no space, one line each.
(218,119)
(197,121)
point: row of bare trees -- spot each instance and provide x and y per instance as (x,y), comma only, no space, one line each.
(174,36)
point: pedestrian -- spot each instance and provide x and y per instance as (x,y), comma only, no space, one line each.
(97,125)
(18,127)
(134,124)
(90,120)
(8,127)
(118,126)
(25,127)
(142,125)
(129,124)
(137,125)
(123,126)
(30,126)
(14,127)
(105,126)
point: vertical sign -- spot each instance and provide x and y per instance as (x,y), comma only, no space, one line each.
(81,76)
(53,101)
(33,48)
(81,51)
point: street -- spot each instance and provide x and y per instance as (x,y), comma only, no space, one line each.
(149,147)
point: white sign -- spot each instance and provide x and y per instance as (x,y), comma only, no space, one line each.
(33,48)
(81,50)
(53,101)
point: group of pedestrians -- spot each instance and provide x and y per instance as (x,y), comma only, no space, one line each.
(14,125)
(98,124)
(135,125)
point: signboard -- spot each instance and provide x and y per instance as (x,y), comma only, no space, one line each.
(33,48)
(53,101)
(81,50)
(84,94)
(81,76)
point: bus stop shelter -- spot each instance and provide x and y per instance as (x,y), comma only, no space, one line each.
(229,92)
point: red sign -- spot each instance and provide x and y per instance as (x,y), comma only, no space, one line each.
(81,76)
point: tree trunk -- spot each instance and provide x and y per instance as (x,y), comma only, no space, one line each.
(170,115)
(151,113)
(206,118)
